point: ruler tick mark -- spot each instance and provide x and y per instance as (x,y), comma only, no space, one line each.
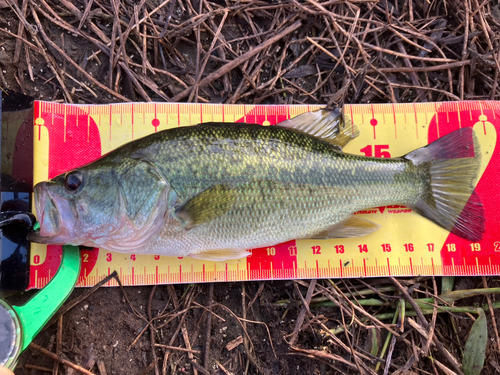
(416,119)
(437,118)
(110,117)
(459,117)
(132,114)
(64,124)
(155,122)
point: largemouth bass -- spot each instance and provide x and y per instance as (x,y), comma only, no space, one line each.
(215,190)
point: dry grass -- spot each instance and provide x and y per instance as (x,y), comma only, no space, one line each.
(257,51)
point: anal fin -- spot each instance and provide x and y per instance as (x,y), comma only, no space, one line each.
(350,228)
(221,255)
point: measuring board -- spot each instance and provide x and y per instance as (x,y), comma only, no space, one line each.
(67,136)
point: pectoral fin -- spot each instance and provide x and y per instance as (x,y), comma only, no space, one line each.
(221,255)
(350,228)
(330,126)
(206,206)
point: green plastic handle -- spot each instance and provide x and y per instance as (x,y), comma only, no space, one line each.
(40,308)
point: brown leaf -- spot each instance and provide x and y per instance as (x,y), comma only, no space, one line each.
(301,71)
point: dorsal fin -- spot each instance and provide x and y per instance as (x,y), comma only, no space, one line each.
(329,126)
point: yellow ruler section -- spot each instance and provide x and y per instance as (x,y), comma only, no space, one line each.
(386,130)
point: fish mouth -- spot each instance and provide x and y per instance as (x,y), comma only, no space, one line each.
(48,216)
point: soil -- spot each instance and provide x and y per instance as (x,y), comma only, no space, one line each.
(104,328)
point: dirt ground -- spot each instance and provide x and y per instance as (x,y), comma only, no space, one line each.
(105,330)
(281,52)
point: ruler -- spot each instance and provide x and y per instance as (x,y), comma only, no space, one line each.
(67,136)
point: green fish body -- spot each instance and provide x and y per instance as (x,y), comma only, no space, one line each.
(215,190)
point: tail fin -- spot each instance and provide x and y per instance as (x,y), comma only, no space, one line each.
(451,165)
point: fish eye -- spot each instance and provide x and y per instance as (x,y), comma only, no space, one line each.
(73,181)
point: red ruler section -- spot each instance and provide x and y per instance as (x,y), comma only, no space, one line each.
(461,257)
(276,262)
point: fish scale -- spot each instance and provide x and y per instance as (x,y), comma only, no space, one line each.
(283,214)
(306,160)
